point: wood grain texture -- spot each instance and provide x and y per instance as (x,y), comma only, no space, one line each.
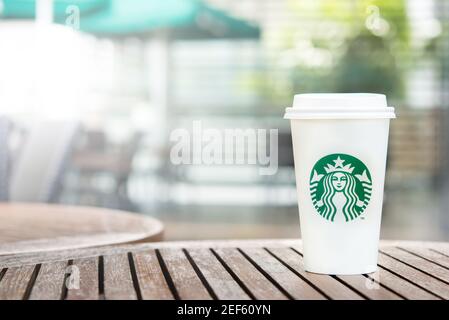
(67,254)
(415,276)
(41,257)
(296,287)
(431,268)
(153,285)
(369,288)
(443,249)
(28,228)
(359,284)
(401,286)
(260,287)
(118,283)
(49,282)
(188,284)
(431,255)
(15,282)
(266,269)
(221,282)
(333,288)
(83,279)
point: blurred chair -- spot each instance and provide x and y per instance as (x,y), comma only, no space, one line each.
(285,149)
(5,126)
(96,162)
(38,173)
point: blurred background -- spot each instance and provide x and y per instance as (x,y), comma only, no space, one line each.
(91,89)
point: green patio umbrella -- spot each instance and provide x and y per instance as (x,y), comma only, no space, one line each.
(185,19)
(26,9)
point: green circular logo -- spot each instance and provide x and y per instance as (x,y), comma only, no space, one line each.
(340,186)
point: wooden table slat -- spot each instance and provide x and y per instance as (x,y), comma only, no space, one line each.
(403,287)
(260,287)
(118,283)
(221,282)
(431,255)
(333,288)
(442,249)
(419,263)
(151,278)
(415,276)
(296,287)
(187,283)
(87,271)
(15,282)
(49,284)
(369,288)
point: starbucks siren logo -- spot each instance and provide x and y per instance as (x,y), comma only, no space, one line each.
(340,186)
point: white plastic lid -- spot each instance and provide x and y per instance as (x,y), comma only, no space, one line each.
(340,106)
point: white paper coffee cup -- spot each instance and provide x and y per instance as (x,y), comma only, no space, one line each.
(340,147)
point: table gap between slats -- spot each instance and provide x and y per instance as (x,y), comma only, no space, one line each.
(68,275)
(234,276)
(49,282)
(31,281)
(299,274)
(118,282)
(101,278)
(431,256)
(200,275)
(441,251)
(285,280)
(186,280)
(426,266)
(17,282)
(167,277)
(151,277)
(134,278)
(259,287)
(218,279)
(2,273)
(330,286)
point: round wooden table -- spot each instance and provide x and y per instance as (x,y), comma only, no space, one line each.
(26,228)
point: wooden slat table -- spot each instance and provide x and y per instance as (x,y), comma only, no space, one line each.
(252,269)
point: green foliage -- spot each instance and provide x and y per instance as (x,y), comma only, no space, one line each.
(368,65)
(341,46)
